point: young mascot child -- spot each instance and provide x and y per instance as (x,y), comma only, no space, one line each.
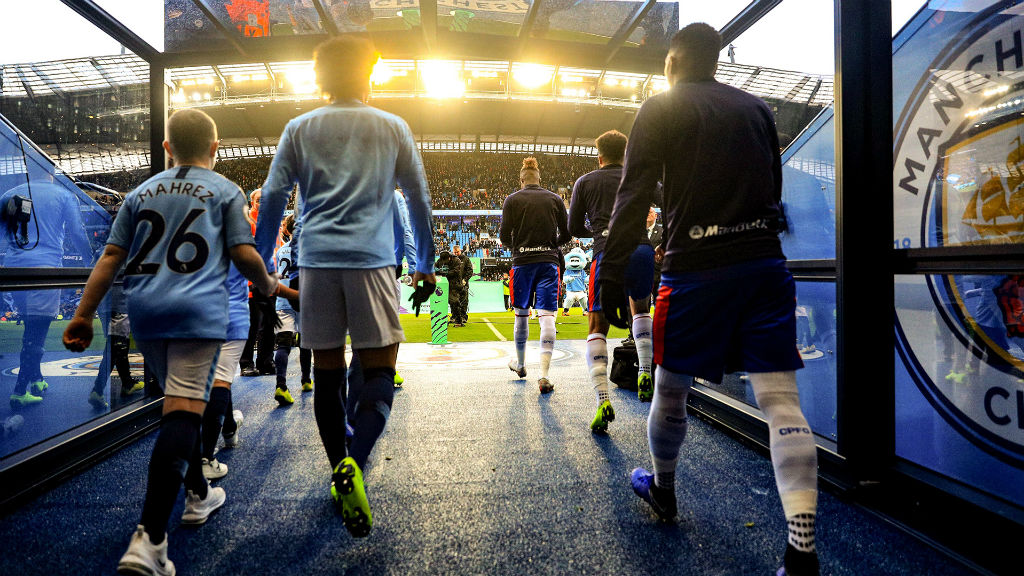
(179,231)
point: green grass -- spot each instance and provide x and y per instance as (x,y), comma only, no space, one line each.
(572,327)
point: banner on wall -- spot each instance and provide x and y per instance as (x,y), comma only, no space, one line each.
(958,181)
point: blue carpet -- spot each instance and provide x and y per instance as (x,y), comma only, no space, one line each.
(476,474)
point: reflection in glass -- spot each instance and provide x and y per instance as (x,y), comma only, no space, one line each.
(960,376)
(809,193)
(482,17)
(795,35)
(597,21)
(816,341)
(47,389)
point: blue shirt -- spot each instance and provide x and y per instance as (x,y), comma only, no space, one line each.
(575,281)
(55,217)
(238,305)
(346,158)
(177,228)
(286,268)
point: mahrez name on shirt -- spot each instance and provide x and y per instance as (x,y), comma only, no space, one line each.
(187,188)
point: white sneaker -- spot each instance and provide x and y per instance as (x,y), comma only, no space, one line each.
(213,469)
(197,509)
(145,558)
(231,440)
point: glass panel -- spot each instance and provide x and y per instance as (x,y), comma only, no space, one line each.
(376,16)
(957,105)
(29,22)
(903,11)
(597,21)
(717,14)
(811,51)
(816,340)
(48,389)
(186,28)
(792,73)
(483,16)
(143,17)
(809,192)
(657,28)
(960,378)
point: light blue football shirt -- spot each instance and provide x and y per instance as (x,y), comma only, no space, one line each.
(575,281)
(55,219)
(238,305)
(347,158)
(177,228)
(286,267)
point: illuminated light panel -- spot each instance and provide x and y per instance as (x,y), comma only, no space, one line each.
(442,78)
(532,75)
(382,72)
(994,91)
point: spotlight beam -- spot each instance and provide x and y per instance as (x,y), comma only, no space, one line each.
(428,23)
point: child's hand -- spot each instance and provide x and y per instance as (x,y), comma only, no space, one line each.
(78,334)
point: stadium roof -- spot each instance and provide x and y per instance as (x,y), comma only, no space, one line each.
(63,77)
(629,36)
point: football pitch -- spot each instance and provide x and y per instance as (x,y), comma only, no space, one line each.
(489,326)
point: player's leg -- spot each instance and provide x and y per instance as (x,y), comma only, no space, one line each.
(99,385)
(639,272)
(120,344)
(666,430)
(795,460)
(520,283)
(184,370)
(597,351)
(284,339)
(546,290)
(325,323)
(305,366)
(767,348)
(219,407)
(376,332)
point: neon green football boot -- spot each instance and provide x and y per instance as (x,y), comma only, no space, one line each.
(349,495)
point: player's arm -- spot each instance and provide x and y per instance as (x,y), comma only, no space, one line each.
(561,219)
(413,180)
(578,213)
(78,334)
(505,229)
(276,191)
(641,171)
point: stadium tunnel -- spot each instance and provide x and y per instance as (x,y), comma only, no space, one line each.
(919,425)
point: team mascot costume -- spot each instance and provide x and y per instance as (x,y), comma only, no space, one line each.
(575,279)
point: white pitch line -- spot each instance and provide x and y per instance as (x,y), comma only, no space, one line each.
(495,330)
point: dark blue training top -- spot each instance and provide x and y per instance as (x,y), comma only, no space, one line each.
(593,197)
(718,150)
(533,226)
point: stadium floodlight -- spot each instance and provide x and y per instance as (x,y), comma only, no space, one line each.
(442,78)
(382,72)
(303,80)
(532,75)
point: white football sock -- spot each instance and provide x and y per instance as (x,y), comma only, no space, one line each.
(597,362)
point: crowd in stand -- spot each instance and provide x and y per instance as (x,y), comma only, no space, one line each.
(458,181)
